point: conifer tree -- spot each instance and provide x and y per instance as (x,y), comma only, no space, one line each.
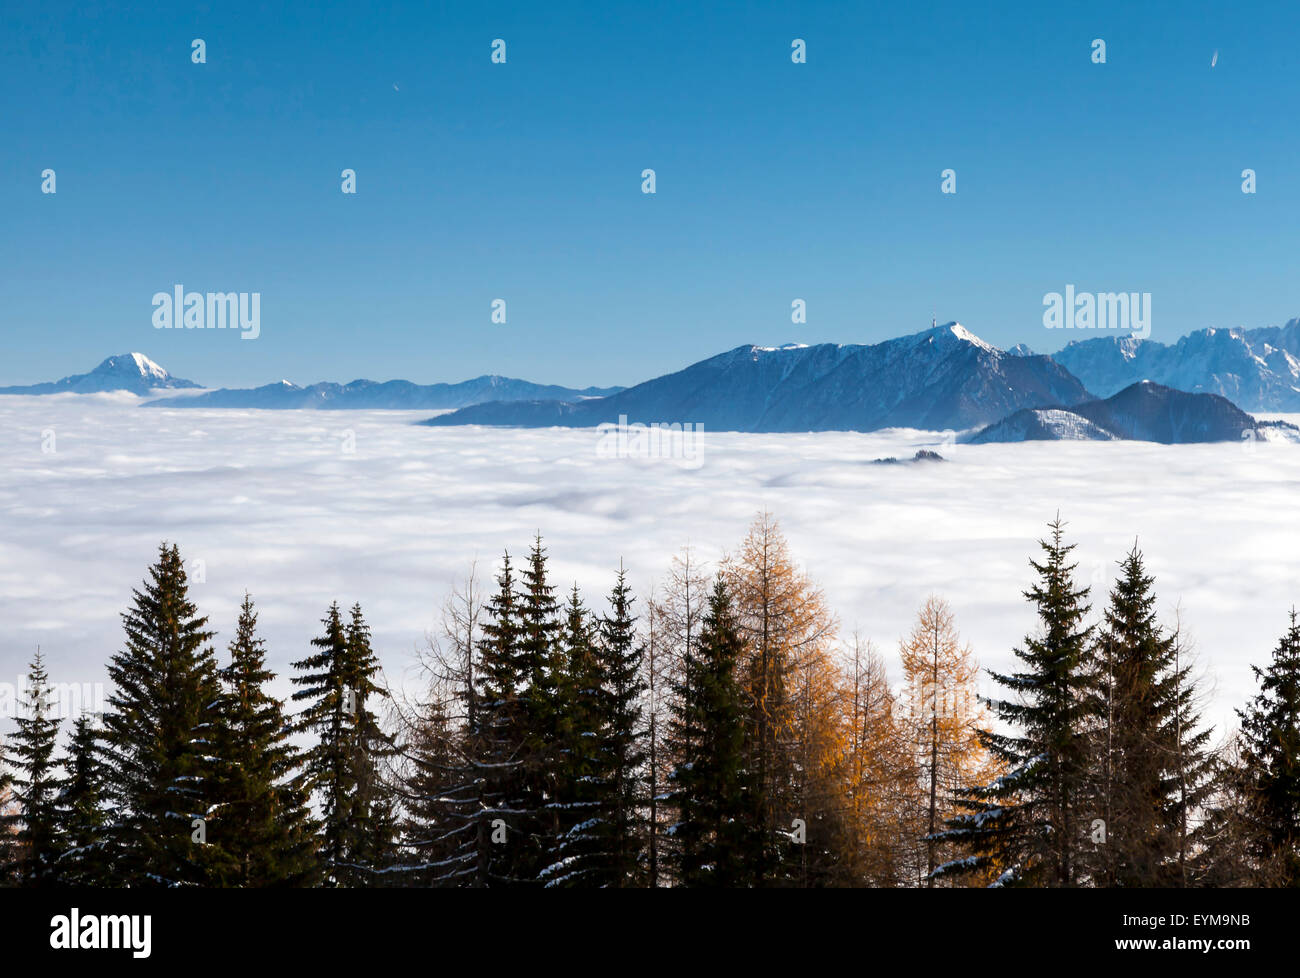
(716,834)
(577,767)
(1031,822)
(542,659)
(944,720)
(786,627)
(338,681)
(263,824)
(1270,762)
(36,783)
(158,736)
(81,812)
(373,749)
(622,692)
(1151,767)
(821,829)
(440,799)
(599,779)
(498,730)
(882,775)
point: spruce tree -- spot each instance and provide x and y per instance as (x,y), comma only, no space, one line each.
(342,767)
(498,729)
(622,693)
(263,824)
(1030,823)
(577,766)
(1150,764)
(379,831)
(718,829)
(542,659)
(597,768)
(1270,763)
(82,816)
(158,736)
(34,826)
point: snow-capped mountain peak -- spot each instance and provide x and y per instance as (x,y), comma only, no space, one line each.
(954,332)
(132,372)
(944,377)
(133,364)
(1257,369)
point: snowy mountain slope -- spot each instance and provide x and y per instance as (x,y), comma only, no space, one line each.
(1141,412)
(132,372)
(1042,424)
(941,378)
(1257,369)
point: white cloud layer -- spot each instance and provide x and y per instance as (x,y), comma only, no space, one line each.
(270,501)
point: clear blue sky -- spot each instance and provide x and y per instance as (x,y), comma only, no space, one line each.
(522,181)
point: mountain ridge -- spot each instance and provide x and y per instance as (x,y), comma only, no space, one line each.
(1145,411)
(1257,369)
(133,372)
(944,377)
(379,395)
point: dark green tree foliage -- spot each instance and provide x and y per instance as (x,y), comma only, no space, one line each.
(527,765)
(624,787)
(158,734)
(343,768)
(715,832)
(263,825)
(578,765)
(34,826)
(378,832)
(497,732)
(541,653)
(82,818)
(1151,765)
(1270,728)
(1031,822)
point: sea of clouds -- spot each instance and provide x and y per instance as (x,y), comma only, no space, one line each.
(304,507)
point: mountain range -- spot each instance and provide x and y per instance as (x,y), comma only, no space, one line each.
(942,378)
(1256,369)
(1144,411)
(137,374)
(388,395)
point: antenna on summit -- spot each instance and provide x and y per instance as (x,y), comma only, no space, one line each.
(934,320)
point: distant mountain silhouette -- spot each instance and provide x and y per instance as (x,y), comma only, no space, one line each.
(132,372)
(1256,369)
(388,395)
(942,378)
(1141,412)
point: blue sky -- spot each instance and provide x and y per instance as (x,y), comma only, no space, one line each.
(521,181)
